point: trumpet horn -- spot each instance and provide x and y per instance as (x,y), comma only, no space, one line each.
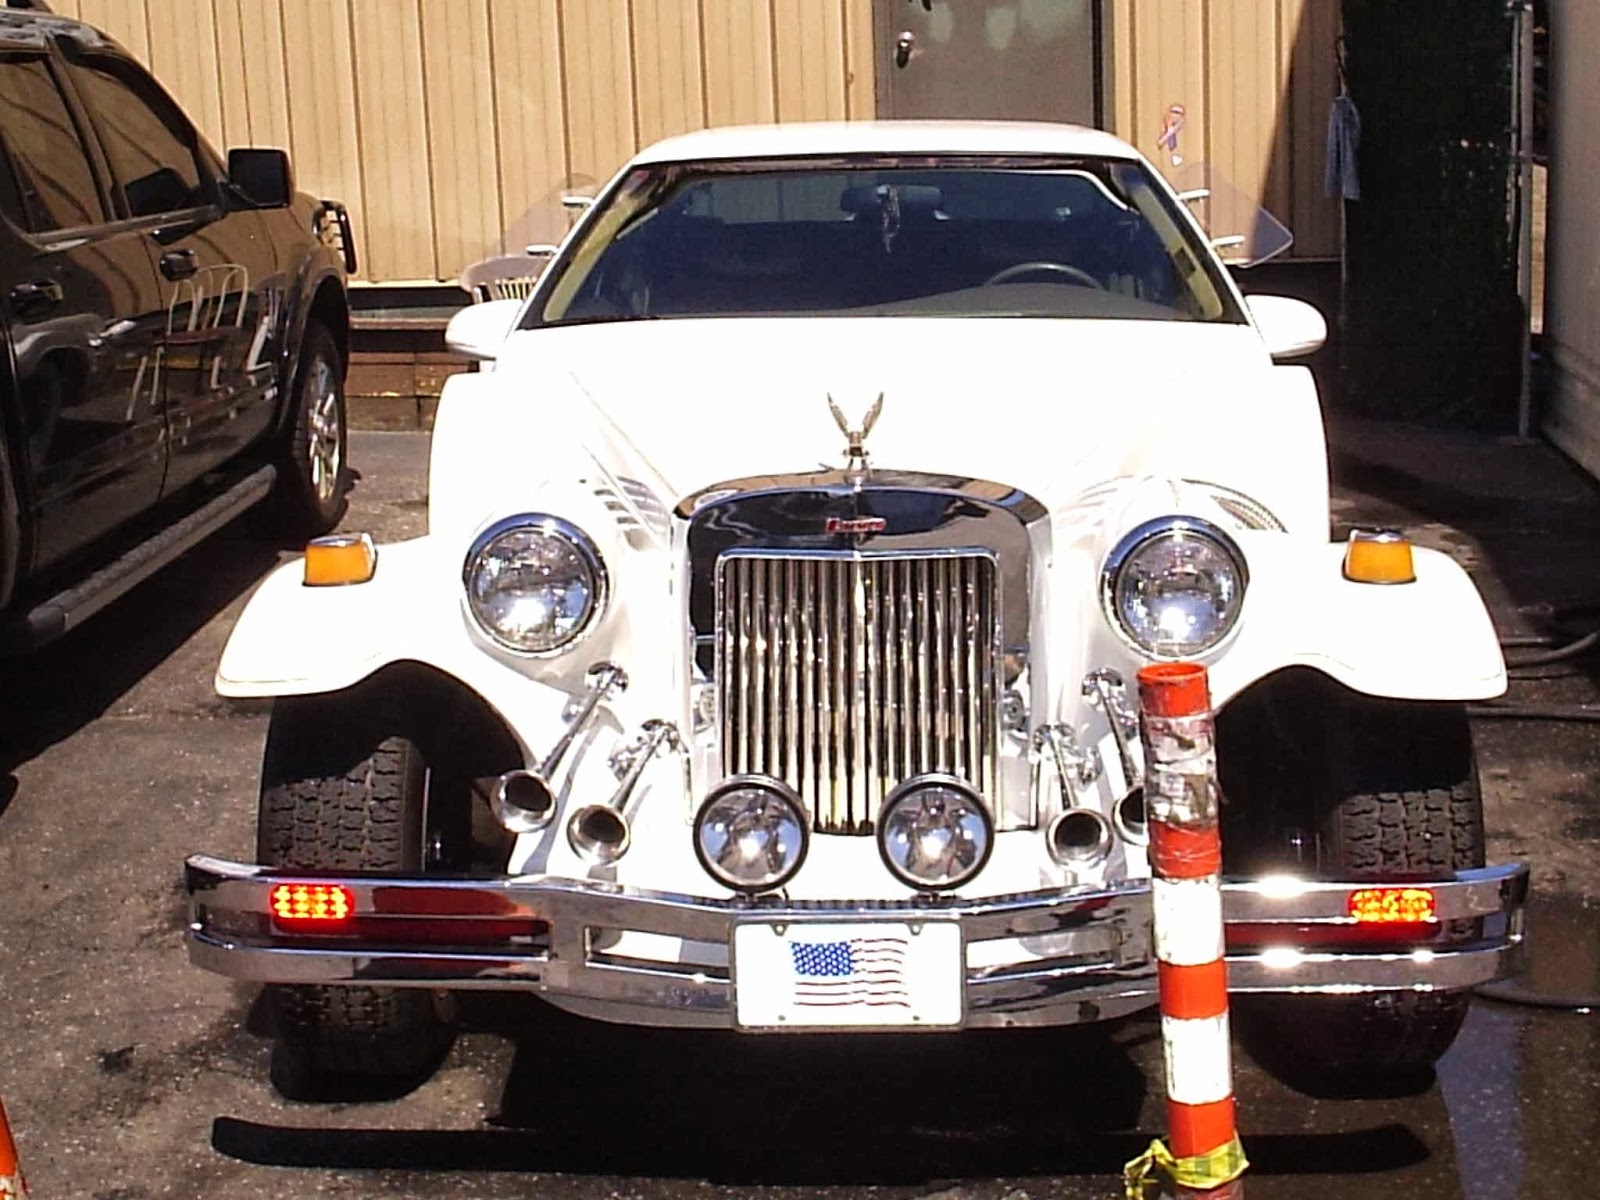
(524,801)
(601,833)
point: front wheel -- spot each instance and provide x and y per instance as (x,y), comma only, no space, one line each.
(1400,802)
(340,794)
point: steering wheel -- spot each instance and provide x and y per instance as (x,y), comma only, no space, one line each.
(1045,267)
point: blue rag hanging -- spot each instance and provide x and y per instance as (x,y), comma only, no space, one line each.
(1340,177)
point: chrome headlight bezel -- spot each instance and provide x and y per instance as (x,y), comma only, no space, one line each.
(581,544)
(908,792)
(1173,528)
(777,791)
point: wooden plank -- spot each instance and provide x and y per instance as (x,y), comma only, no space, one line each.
(1169,41)
(1248,122)
(1315,217)
(125,20)
(808,40)
(1123,109)
(530,119)
(183,56)
(319,69)
(459,72)
(667,68)
(738,58)
(250,41)
(860,56)
(392,116)
(597,56)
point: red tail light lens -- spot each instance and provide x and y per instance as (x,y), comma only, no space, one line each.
(303,904)
(1392,905)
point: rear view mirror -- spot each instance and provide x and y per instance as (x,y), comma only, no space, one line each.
(478,329)
(263,177)
(1290,328)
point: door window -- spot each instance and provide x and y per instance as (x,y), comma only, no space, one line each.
(149,143)
(55,185)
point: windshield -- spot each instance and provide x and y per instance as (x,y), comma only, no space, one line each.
(1085,238)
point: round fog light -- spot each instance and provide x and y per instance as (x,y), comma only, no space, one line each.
(751,834)
(934,833)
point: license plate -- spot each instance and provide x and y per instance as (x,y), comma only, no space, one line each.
(848,974)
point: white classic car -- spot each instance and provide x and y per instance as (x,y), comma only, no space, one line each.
(767,660)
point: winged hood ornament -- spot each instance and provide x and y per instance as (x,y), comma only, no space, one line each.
(856,439)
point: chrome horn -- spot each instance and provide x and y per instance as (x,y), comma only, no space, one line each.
(1077,836)
(525,801)
(600,833)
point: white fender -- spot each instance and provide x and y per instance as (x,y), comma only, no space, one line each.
(1427,640)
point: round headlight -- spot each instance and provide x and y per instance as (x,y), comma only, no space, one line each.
(534,583)
(1175,586)
(934,833)
(751,834)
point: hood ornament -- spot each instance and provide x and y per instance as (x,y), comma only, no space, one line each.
(856,449)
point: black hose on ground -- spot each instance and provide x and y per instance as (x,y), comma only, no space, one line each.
(1498,710)
(1574,649)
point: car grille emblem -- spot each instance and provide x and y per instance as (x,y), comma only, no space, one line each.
(855,525)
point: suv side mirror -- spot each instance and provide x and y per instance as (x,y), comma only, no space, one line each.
(263,177)
(1290,328)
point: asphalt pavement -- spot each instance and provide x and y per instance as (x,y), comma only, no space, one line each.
(130,1075)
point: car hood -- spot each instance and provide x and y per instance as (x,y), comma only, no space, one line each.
(1047,406)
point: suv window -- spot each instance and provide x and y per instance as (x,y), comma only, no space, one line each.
(55,184)
(149,143)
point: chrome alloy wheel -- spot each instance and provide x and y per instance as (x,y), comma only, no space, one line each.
(324,438)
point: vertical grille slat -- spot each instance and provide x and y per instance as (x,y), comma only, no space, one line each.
(846,676)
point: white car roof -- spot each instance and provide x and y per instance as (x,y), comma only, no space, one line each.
(886,137)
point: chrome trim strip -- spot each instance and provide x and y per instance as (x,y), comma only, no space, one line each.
(1106,932)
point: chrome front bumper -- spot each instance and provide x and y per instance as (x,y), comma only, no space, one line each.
(1053,957)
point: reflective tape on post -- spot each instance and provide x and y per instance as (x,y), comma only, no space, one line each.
(13,1185)
(1178,731)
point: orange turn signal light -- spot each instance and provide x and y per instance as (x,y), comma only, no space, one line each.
(1379,556)
(1392,905)
(311,903)
(340,558)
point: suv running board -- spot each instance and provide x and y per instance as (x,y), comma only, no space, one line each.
(68,609)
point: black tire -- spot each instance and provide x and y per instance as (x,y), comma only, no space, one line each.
(1405,805)
(313,473)
(338,793)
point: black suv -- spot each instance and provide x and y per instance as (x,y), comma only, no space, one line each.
(175,332)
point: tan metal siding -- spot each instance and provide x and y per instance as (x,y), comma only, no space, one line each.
(1255,78)
(452,127)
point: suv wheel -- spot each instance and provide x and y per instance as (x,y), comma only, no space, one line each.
(311,467)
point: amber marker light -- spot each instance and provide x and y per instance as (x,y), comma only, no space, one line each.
(340,558)
(1392,906)
(307,904)
(1379,556)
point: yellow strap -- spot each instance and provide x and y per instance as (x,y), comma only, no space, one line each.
(1202,1172)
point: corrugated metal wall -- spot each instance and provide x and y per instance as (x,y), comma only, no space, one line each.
(1255,78)
(452,127)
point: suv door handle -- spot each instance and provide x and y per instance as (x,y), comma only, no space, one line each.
(179,264)
(32,297)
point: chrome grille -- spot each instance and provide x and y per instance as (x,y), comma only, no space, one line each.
(845,676)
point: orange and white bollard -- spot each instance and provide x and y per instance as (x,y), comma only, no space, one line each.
(1181,798)
(13,1186)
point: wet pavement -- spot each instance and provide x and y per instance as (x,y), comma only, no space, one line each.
(128,1075)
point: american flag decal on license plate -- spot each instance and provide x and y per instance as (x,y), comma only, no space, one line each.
(858,971)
